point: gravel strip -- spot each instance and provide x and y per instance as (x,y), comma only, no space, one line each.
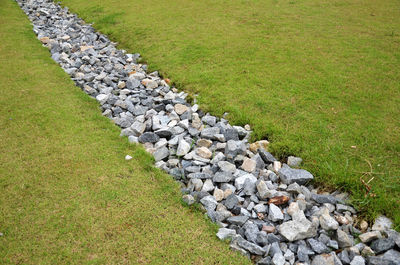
(267,210)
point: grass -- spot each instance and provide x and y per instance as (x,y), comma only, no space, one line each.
(319,78)
(67,195)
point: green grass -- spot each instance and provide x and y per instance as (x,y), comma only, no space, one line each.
(67,195)
(315,77)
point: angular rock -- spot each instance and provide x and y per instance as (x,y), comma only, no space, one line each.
(289,175)
(251,247)
(183,148)
(161,153)
(237,220)
(344,239)
(188,199)
(239,182)
(381,245)
(369,236)
(275,213)
(148,137)
(382,223)
(297,230)
(225,233)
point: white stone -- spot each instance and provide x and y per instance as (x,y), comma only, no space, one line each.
(239,182)
(183,148)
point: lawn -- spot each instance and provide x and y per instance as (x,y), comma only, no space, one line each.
(319,78)
(67,195)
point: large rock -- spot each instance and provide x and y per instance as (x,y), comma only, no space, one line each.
(161,153)
(289,175)
(382,223)
(209,133)
(381,245)
(239,182)
(221,177)
(391,257)
(225,233)
(344,239)
(297,230)
(369,236)
(183,148)
(251,247)
(275,213)
(266,156)
(148,137)
(326,259)
(263,190)
(237,220)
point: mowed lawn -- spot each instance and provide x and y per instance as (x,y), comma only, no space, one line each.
(319,78)
(67,195)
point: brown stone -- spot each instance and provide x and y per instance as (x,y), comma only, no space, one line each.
(268,228)
(204,142)
(85,47)
(45,40)
(180,108)
(279,200)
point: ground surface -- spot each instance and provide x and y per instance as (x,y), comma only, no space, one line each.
(67,195)
(314,77)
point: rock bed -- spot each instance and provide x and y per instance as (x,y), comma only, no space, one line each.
(267,210)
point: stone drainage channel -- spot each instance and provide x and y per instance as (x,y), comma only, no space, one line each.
(266,209)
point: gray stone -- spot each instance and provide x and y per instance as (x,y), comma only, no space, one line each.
(324,198)
(251,231)
(239,182)
(188,199)
(278,259)
(237,220)
(183,148)
(358,260)
(138,128)
(209,133)
(275,213)
(210,120)
(344,256)
(266,156)
(234,148)
(297,230)
(225,166)
(317,246)
(289,175)
(327,222)
(303,253)
(231,201)
(208,186)
(148,137)
(249,187)
(161,153)
(225,233)
(199,175)
(260,208)
(326,259)
(209,202)
(251,247)
(231,134)
(381,245)
(382,223)
(344,239)
(394,235)
(263,190)
(221,177)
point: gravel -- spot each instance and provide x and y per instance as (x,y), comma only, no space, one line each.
(266,208)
